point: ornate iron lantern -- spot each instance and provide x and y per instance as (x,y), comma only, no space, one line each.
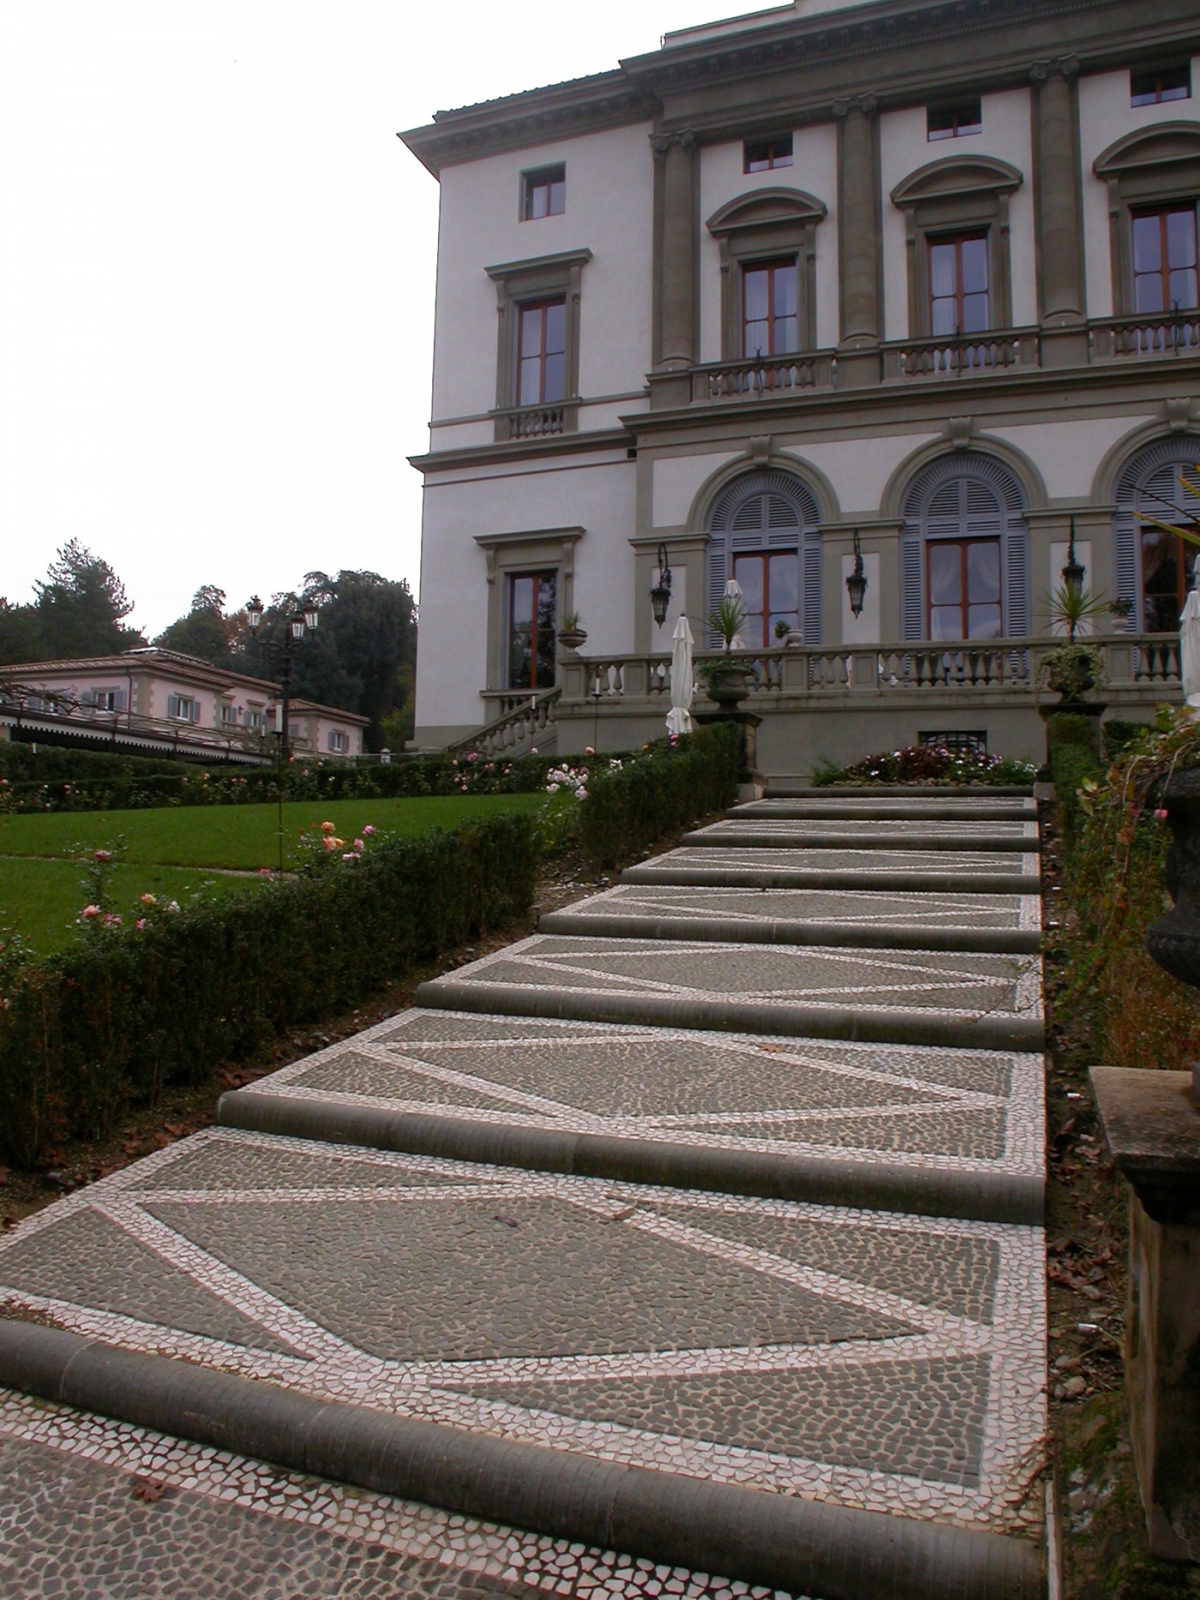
(856,583)
(660,594)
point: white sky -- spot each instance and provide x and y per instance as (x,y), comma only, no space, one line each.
(210,236)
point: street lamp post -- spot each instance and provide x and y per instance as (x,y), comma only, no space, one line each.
(300,622)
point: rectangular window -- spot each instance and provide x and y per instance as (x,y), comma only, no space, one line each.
(1167,564)
(952,122)
(256,718)
(770,325)
(543,193)
(229,716)
(961,743)
(181,708)
(964,588)
(1157,84)
(105,699)
(959,297)
(1164,259)
(532,600)
(770,582)
(339,741)
(761,155)
(541,353)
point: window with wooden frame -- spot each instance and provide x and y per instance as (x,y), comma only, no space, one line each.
(541,352)
(1167,562)
(770,583)
(1156,85)
(963,584)
(954,122)
(543,193)
(959,288)
(532,602)
(763,155)
(770,308)
(1164,258)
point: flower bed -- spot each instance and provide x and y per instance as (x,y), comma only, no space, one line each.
(927,763)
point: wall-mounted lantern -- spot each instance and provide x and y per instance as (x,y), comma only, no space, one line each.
(856,583)
(1074,572)
(660,594)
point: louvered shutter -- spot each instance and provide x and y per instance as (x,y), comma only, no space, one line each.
(811,579)
(913,620)
(120,700)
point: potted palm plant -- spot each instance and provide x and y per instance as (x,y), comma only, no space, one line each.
(725,678)
(570,634)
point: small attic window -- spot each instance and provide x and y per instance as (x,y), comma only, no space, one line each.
(543,193)
(1157,84)
(761,155)
(953,122)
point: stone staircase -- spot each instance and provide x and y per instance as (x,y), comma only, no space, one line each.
(698,1233)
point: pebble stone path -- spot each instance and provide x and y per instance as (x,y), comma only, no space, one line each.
(576,1198)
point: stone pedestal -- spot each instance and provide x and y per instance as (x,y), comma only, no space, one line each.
(751,783)
(1152,1124)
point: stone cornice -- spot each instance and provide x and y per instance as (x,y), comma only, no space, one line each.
(895,50)
(502,452)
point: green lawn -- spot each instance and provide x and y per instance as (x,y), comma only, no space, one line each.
(166,850)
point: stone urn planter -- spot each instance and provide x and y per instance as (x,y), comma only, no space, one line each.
(572,638)
(728,685)
(1174,940)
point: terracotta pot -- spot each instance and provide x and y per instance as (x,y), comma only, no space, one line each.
(1174,940)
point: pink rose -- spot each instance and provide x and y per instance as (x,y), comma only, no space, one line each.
(369,828)
(102,855)
(88,913)
(140,923)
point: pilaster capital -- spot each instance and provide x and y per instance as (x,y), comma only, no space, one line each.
(867,104)
(684,138)
(1061,66)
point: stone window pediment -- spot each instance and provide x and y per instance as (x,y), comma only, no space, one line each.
(957,194)
(518,283)
(1154,166)
(767,224)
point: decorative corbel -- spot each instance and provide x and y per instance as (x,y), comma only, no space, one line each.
(1179,414)
(760,449)
(959,431)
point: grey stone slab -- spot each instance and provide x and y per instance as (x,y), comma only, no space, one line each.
(89,1261)
(968,986)
(861,833)
(207,1167)
(475,1279)
(73,1529)
(900,809)
(921,1418)
(971,863)
(846,908)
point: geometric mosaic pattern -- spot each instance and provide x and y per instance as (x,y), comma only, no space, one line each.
(882,1362)
(969,1110)
(864,862)
(868,833)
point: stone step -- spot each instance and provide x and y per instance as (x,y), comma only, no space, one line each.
(866,919)
(799,1396)
(862,836)
(903,997)
(892,810)
(943,871)
(781,789)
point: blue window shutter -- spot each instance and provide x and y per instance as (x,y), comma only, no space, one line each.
(1017,549)
(812,585)
(913,620)
(120,699)
(717,566)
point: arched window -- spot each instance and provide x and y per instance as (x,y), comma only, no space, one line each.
(1153,567)
(965,552)
(763,532)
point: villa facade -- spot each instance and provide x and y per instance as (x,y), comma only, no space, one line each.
(918,272)
(151,701)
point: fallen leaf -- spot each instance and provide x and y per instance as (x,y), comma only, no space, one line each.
(619,1216)
(509,1222)
(148,1489)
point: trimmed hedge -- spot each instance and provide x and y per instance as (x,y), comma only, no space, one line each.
(669,787)
(124,1013)
(59,779)
(1071,757)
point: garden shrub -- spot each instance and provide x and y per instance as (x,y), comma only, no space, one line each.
(1117,736)
(1072,760)
(127,1011)
(630,804)
(1136,1015)
(927,763)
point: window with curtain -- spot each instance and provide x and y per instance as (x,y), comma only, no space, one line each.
(541,353)
(770,309)
(959,288)
(963,585)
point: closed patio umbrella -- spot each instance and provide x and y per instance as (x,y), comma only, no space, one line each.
(733,591)
(679,719)
(1189,648)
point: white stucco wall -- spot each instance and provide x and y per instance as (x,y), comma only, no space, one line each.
(609,210)
(906,148)
(1104,116)
(814,170)
(1068,454)
(859,469)
(452,641)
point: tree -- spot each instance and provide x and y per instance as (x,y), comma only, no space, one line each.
(204,631)
(363,653)
(81,607)
(77,611)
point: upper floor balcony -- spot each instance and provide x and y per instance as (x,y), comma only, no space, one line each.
(1107,342)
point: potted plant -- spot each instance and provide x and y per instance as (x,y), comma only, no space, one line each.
(1072,671)
(570,634)
(725,678)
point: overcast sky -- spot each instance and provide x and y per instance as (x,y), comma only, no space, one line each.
(217,271)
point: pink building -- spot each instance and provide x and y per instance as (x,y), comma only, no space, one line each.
(152,700)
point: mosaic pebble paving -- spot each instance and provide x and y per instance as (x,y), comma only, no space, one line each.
(432,1300)
(944,1107)
(1001,863)
(868,829)
(882,1361)
(841,906)
(960,985)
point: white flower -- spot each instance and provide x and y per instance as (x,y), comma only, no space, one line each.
(581,793)
(552,788)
